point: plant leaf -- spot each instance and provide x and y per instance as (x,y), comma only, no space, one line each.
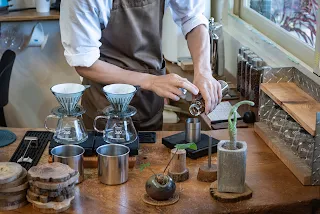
(192,146)
(143,166)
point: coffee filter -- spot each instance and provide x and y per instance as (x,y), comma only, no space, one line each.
(119,89)
(68,88)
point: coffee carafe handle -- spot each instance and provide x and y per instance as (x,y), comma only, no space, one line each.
(95,123)
(46,120)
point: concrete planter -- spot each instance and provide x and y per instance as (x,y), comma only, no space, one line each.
(232,167)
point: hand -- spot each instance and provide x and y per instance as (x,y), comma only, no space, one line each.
(210,90)
(167,86)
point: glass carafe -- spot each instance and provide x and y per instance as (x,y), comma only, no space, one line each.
(118,130)
(69,130)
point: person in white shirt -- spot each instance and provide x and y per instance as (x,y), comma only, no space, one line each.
(119,41)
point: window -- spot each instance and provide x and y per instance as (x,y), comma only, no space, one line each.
(290,23)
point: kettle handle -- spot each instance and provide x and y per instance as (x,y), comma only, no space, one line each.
(46,120)
(95,123)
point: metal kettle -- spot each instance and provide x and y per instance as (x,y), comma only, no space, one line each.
(216,48)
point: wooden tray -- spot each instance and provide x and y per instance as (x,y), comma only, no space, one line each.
(297,103)
(296,165)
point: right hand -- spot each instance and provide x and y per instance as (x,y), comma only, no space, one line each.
(167,86)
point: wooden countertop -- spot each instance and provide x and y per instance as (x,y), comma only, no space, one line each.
(29,15)
(275,188)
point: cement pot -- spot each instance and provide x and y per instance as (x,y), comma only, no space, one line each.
(232,167)
(160,192)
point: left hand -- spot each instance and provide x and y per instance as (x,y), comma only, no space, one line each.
(210,90)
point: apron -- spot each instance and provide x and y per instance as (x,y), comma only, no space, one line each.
(131,40)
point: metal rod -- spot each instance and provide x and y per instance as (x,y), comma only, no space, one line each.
(209,152)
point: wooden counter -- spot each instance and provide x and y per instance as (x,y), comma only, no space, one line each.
(29,15)
(275,188)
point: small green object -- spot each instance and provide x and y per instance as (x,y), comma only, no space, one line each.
(143,166)
(192,146)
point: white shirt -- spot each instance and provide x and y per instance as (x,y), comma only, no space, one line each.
(80,25)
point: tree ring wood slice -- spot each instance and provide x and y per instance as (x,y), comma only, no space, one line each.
(179,177)
(51,172)
(45,199)
(53,193)
(206,174)
(148,200)
(51,210)
(52,205)
(9,171)
(21,180)
(15,189)
(12,198)
(13,205)
(54,185)
(229,197)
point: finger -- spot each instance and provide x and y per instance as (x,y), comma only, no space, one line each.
(171,96)
(175,91)
(214,97)
(219,92)
(186,84)
(207,99)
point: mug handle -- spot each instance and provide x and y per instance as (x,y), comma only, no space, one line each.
(95,123)
(46,120)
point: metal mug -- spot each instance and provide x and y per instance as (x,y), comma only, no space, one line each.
(193,130)
(71,155)
(113,163)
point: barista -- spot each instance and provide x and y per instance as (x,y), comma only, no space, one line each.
(119,41)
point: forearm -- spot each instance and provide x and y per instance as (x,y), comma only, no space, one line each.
(199,45)
(106,73)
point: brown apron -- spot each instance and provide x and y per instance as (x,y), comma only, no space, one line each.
(131,40)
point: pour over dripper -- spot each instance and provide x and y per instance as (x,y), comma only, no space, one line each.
(68,94)
(119,95)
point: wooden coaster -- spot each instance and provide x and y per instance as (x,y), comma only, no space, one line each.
(53,193)
(15,189)
(21,180)
(179,177)
(13,205)
(174,199)
(51,172)
(9,171)
(50,210)
(52,206)
(229,197)
(9,198)
(45,199)
(54,185)
(206,174)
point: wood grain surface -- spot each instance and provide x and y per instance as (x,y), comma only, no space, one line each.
(9,172)
(276,189)
(297,103)
(29,15)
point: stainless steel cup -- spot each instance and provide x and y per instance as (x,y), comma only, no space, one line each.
(193,130)
(71,155)
(113,163)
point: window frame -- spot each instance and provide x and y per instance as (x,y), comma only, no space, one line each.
(279,35)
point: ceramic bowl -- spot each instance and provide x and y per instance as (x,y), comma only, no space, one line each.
(158,191)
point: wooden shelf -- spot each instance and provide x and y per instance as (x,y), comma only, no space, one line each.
(297,103)
(296,165)
(29,15)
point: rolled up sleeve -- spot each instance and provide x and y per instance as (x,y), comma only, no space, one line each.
(188,14)
(80,32)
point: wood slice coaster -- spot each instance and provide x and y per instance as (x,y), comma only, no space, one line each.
(15,189)
(50,210)
(13,205)
(179,177)
(52,207)
(21,180)
(53,193)
(45,199)
(54,185)
(51,172)
(206,174)
(148,200)
(229,197)
(9,198)
(9,171)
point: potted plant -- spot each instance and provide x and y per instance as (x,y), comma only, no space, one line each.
(232,156)
(161,187)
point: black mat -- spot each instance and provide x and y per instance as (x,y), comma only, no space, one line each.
(34,153)
(203,145)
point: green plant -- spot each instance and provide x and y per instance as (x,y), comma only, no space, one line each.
(160,178)
(232,125)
